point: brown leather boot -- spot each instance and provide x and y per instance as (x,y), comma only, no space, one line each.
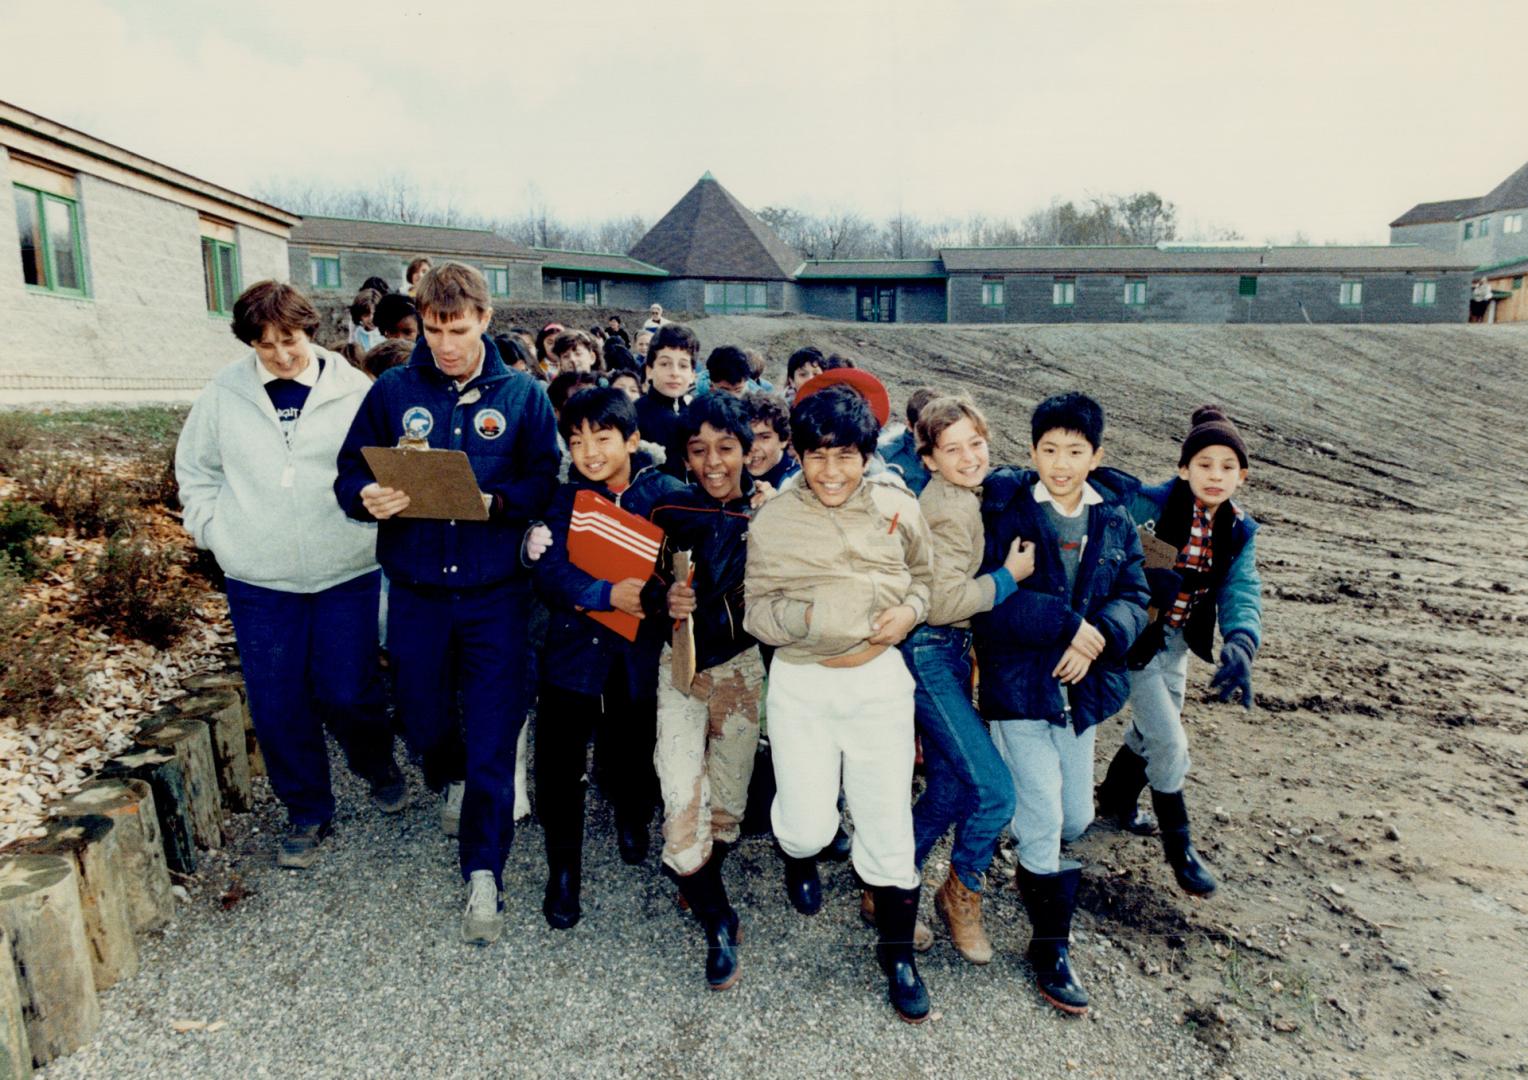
(961,910)
(923,937)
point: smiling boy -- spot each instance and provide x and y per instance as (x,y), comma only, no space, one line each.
(770,420)
(1214,579)
(459,592)
(670,376)
(1052,657)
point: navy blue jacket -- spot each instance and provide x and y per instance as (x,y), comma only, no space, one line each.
(661,421)
(504,423)
(716,536)
(1019,642)
(579,651)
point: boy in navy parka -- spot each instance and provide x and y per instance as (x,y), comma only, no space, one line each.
(1052,657)
(459,595)
(589,672)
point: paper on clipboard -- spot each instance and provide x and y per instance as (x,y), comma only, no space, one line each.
(439,483)
(682,669)
(1160,555)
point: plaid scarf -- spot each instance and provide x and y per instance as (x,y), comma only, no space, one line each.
(1197,556)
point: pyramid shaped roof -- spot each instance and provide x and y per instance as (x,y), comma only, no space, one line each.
(709,234)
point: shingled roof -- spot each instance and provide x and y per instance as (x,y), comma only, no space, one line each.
(1510,194)
(709,234)
(839,269)
(399,237)
(1141,259)
(596,262)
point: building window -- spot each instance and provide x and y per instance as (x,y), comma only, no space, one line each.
(220,274)
(1247,286)
(570,291)
(1485,227)
(326,271)
(498,281)
(730,297)
(1512,223)
(992,292)
(1469,230)
(591,292)
(49,229)
(581,291)
(1517,282)
(1135,291)
(1350,293)
(1424,293)
(1063,292)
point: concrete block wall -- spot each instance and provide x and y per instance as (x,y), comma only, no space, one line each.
(917,302)
(144,324)
(616,292)
(357,266)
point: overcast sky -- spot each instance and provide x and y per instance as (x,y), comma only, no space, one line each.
(1329,117)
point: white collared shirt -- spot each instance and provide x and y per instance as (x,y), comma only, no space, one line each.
(1089,498)
(474,373)
(308,376)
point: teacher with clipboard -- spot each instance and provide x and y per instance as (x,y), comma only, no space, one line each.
(458,606)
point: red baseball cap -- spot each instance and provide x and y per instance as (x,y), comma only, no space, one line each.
(857,379)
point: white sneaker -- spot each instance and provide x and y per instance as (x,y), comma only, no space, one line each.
(522,792)
(451,807)
(483,921)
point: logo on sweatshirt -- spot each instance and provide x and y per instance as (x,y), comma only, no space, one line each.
(417,422)
(489,423)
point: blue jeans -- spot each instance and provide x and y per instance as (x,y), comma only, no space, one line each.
(310,659)
(1156,706)
(470,643)
(968,783)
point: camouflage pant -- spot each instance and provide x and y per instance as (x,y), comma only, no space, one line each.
(704,757)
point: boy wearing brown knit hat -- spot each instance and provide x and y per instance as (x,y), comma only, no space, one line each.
(1212,578)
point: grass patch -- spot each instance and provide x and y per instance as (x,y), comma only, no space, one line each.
(96,430)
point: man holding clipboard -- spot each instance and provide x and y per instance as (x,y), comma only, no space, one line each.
(457,613)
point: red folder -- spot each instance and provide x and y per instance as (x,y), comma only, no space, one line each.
(612,544)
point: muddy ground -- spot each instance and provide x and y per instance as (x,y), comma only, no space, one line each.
(1367,820)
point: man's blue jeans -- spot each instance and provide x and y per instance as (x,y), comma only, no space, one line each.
(968,783)
(310,660)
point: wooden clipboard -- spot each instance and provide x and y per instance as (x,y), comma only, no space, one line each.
(439,483)
(682,668)
(1160,555)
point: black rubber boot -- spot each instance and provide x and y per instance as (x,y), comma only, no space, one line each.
(1050,900)
(896,914)
(563,883)
(1119,796)
(838,848)
(1190,873)
(707,897)
(632,836)
(802,885)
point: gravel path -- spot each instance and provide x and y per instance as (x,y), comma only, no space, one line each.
(354,969)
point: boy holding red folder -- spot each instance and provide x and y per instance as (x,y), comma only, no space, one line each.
(589,671)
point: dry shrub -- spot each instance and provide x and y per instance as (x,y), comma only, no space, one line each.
(82,496)
(21,524)
(16,433)
(138,590)
(35,671)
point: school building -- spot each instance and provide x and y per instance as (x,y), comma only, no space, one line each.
(1485,231)
(126,269)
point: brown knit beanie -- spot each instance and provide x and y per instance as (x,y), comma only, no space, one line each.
(1212,427)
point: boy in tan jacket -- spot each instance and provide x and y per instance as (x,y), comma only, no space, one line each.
(838,574)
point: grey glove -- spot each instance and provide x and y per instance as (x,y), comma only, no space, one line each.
(1235,671)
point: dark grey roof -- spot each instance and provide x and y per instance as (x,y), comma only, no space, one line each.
(596,262)
(1510,194)
(1127,260)
(709,234)
(830,269)
(1510,268)
(399,237)
(1428,213)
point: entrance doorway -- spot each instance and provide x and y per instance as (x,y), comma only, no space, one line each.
(876,303)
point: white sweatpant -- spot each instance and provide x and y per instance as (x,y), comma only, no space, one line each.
(855,723)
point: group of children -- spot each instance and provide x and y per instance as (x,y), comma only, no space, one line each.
(840,581)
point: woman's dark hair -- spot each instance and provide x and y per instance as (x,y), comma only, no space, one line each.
(674,336)
(810,354)
(1072,411)
(567,384)
(272,303)
(724,413)
(602,408)
(728,364)
(378,285)
(770,409)
(392,309)
(834,416)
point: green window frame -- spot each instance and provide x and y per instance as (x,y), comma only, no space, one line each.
(592,292)
(1063,292)
(992,292)
(498,281)
(52,255)
(1135,292)
(571,290)
(220,274)
(326,271)
(1512,223)
(736,297)
(1469,230)
(1247,286)
(1485,227)
(1517,282)
(1350,294)
(1424,293)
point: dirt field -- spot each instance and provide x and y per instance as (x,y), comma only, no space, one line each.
(1367,821)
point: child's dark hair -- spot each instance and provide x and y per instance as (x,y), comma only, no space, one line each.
(834,416)
(569,340)
(381,287)
(391,310)
(728,364)
(387,355)
(674,336)
(837,360)
(544,337)
(512,350)
(617,356)
(624,373)
(916,401)
(566,384)
(365,304)
(809,354)
(769,409)
(354,355)
(602,408)
(724,413)
(1072,411)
